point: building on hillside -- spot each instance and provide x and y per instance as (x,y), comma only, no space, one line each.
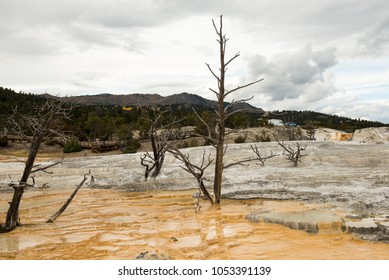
(276,122)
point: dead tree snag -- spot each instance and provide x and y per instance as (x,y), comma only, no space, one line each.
(63,208)
(197,170)
(217,136)
(259,157)
(159,136)
(37,126)
(293,155)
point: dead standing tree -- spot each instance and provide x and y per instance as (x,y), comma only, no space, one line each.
(293,155)
(262,159)
(217,135)
(37,126)
(159,136)
(197,170)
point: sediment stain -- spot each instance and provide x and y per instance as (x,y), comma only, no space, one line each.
(109,224)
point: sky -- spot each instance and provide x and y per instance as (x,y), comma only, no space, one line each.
(327,56)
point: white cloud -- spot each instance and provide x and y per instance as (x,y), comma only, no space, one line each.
(375,40)
(303,74)
(161,46)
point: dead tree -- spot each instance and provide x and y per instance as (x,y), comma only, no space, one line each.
(197,170)
(293,155)
(159,136)
(261,158)
(216,136)
(37,126)
(63,208)
(311,130)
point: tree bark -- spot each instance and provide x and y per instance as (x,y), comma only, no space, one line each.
(222,111)
(204,190)
(39,125)
(217,184)
(63,208)
(12,218)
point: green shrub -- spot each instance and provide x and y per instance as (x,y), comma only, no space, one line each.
(72,146)
(131,147)
(3,141)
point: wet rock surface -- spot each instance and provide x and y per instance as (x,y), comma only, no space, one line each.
(348,177)
(311,221)
(373,229)
(109,224)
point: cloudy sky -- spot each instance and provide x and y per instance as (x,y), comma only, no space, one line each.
(329,56)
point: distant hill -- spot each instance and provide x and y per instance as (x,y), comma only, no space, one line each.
(143,99)
(324,120)
(116,99)
(187,98)
(185,101)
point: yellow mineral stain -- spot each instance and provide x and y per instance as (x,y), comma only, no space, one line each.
(109,224)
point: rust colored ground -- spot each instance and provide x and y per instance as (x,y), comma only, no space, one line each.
(107,224)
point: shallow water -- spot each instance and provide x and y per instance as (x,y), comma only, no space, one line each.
(107,224)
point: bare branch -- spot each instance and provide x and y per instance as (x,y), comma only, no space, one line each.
(214,25)
(171,124)
(234,57)
(214,91)
(213,73)
(233,102)
(291,154)
(63,208)
(210,130)
(261,158)
(196,170)
(241,87)
(239,162)
(146,163)
(44,169)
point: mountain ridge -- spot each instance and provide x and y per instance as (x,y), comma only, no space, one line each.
(152,99)
(10,99)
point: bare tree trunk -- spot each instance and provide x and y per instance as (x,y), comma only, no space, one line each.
(204,190)
(158,167)
(63,208)
(217,183)
(159,155)
(223,112)
(153,163)
(216,135)
(12,218)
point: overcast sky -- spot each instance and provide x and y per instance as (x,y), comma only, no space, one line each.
(329,56)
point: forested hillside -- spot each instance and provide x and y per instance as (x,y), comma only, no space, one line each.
(105,122)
